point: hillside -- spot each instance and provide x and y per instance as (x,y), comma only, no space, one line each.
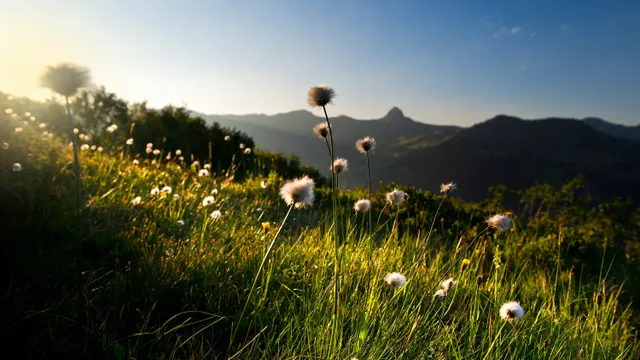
(615,130)
(520,153)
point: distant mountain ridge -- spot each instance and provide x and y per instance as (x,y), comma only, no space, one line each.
(502,150)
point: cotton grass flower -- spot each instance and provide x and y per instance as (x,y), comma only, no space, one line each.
(366,145)
(33,118)
(16,167)
(178,152)
(42,125)
(167,190)
(247,151)
(150,145)
(93,148)
(148,150)
(362,205)
(500,222)
(216,214)
(8,111)
(321,95)
(340,165)
(99,149)
(242,146)
(76,131)
(84,147)
(27,114)
(18,130)
(136,162)
(447,188)
(65,79)
(180,222)
(176,197)
(395,279)
(5,145)
(136,201)
(322,130)
(155,191)
(448,284)
(112,128)
(397,197)
(439,294)
(227,138)
(264,184)
(214,191)
(156,152)
(298,192)
(207,166)
(208,201)
(203,172)
(511,310)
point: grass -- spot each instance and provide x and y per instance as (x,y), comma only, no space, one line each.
(126,281)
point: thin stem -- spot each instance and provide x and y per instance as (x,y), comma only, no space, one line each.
(76,160)
(369,184)
(424,247)
(255,280)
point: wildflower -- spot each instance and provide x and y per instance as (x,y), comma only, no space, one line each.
(16,167)
(129,142)
(322,130)
(203,172)
(84,147)
(366,144)
(439,294)
(247,151)
(27,114)
(8,111)
(18,130)
(340,165)
(207,166)
(156,152)
(195,163)
(464,264)
(395,279)
(167,190)
(33,118)
(176,197)
(42,125)
(242,146)
(180,223)
(448,284)
(511,310)
(150,145)
(93,148)
(214,191)
(168,157)
(137,200)
(397,197)
(499,222)
(65,79)
(170,252)
(100,148)
(148,150)
(362,205)
(181,158)
(178,152)
(155,191)
(208,201)
(298,192)
(112,128)
(447,188)
(5,145)
(320,95)
(266,226)
(264,184)
(136,162)
(76,131)
(227,138)
(216,214)
(259,209)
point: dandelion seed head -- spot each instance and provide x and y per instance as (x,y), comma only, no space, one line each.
(207,166)
(214,191)
(439,294)
(16,167)
(181,158)
(33,118)
(216,214)
(298,192)
(322,130)
(42,125)
(76,131)
(447,188)
(93,148)
(150,145)
(448,284)
(8,111)
(65,79)
(27,114)
(366,144)
(397,197)
(511,310)
(340,165)
(148,150)
(320,95)
(395,279)
(100,148)
(362,205)
(208,201)
(500,222)
(84,147)
(242,146)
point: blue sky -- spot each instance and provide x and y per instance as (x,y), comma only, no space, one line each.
(444,61)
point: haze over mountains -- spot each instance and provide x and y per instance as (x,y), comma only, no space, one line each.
(502,150)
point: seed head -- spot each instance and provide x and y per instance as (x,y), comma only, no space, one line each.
(247,151)
(136,201)
(16,167)
(227,138)
(439,294)
(167,190)
(264,184)
(76,131)
(149,150)
(208,201)
(155,191)
(242,146)
(322,130)
(511,310)
(180,222)
(216,214)
(203,172)
(366,144)
(499,222)
(340,165)
(129,141)
(65,79)
(150,145)
(176,197)
(448,284)
(5,145)
(136,162)
(395,279)
(320,96)
(298,192)
(447,188)
(362,205)
(18,130)
(397,197)
(178,152)
(156,152)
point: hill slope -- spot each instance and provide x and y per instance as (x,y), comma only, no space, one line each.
(616,130)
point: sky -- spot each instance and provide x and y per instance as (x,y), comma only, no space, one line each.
(440,61)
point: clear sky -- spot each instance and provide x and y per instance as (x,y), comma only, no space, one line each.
(440,61)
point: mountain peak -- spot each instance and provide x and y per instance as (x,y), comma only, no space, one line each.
(395,112)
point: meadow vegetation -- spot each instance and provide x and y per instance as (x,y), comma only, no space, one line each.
(165,260)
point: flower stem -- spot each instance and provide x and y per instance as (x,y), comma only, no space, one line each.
(369,184)
(424,247)
(76,160)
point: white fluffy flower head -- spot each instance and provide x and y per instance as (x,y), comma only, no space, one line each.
(340,165)
(362,205)
(500,222)
(167,190)
(448,284)
(397,197)
(155,191)
(366,144)
(203,172)
(322,130)
(216,214)
(511,310)
(16,167)
(208,201)
(439,294)
(395,279)
(136,201)
(298,192)
(447,188)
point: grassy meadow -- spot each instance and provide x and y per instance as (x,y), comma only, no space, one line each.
(148,270)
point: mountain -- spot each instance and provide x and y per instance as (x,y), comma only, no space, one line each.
(292,132)
(520,153)
(616,130)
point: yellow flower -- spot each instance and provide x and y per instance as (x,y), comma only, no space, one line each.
(266,226)
(465,263)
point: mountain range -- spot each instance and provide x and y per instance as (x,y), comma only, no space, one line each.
(502,150)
